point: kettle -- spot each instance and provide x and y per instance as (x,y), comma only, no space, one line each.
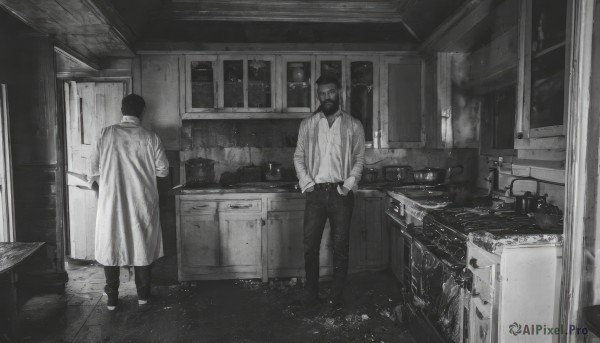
(272,171)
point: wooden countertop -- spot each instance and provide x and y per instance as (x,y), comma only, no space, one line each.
(259,187)
(11,254)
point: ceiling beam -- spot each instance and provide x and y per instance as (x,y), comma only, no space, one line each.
(458,25)
(349,11)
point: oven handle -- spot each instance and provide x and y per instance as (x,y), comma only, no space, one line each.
(474,265)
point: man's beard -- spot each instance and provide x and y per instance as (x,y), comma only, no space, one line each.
(328,110)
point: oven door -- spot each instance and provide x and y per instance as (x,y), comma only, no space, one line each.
(480,330)
(400,248)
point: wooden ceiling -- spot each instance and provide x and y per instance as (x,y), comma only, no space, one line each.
(117,28)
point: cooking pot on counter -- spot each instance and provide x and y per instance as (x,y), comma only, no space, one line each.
(370,175)
(432,176)
(199,171)
(397,173)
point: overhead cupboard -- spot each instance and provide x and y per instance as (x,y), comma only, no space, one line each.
(384,91)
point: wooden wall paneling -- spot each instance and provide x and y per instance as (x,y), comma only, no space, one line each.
(160,89)
(136,74)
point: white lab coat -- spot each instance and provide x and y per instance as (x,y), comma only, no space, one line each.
(125,161)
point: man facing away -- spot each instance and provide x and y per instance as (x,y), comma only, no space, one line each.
(329,159)
(125,162)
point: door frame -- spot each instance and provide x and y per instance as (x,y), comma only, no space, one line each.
(582,188)
(63,149)
(7,230)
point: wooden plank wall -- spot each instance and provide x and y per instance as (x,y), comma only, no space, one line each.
(36,161)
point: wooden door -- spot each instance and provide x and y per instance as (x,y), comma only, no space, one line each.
(240,244)
(7,230)
(89,106)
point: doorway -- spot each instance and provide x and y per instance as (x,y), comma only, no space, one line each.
(7,214)
(89,107)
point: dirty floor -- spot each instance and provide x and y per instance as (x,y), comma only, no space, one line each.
(240,311)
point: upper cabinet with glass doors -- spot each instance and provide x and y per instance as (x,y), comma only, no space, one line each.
(230,83)
(298,83)
(543,55)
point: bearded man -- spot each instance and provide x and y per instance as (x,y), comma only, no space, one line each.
(329,159)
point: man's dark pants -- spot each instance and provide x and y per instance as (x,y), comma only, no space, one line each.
(321,204)
(143,277)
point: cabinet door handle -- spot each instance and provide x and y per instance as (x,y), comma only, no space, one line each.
(473,263)
(239,206)
(197,207)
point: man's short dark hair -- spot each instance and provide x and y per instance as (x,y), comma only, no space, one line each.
(133,105)
(326,79)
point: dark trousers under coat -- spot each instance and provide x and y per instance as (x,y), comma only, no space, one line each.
(143,278)
(323,204)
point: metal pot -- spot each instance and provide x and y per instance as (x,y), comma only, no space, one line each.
(429,176)
(370,175)
(432,176)
(396,173)
(199,171)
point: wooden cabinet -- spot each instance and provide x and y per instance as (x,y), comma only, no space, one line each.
(285,230)
(402,102)
(219,239)
(369,240)
(261,235)
(542,73)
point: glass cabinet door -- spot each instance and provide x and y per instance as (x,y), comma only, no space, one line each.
(298,83)
(333,66)
(233,79)
(545,56)
(364,95)
(201,91)
(260,82)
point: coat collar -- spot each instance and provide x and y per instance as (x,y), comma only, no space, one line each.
(131,119)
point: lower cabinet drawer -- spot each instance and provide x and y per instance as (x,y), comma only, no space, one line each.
(197,207)
(292,204)
(240,206)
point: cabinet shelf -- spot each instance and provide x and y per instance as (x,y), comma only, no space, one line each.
(549,50)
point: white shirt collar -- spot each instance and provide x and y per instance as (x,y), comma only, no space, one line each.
(337,114)
(130,119)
